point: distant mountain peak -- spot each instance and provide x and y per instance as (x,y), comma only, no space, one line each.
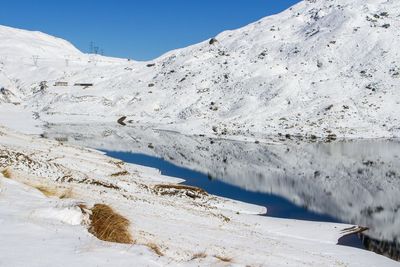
(320,68)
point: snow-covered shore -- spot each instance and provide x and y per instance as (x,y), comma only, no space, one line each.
(356,182)
(38,230)
(318,71)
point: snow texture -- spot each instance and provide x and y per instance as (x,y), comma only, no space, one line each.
(323,68)
(39,230)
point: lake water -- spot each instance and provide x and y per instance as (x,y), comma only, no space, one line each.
(354,182)
(277,206)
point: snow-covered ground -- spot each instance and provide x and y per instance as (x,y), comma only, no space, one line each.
(50,231)
(355,182)
(319,68)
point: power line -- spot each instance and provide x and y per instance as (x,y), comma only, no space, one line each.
(95,49)
(91,46)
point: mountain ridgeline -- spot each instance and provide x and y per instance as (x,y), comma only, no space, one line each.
(321,69)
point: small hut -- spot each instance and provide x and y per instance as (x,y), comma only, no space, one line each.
(83,84)
(61,84)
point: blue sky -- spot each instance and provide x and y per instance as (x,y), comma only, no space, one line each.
(137,29)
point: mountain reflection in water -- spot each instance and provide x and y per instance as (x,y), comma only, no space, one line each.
(355,182)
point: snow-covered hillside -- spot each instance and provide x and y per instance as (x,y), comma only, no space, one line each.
(355,182)
(43,183)
(20,43)
(321,68)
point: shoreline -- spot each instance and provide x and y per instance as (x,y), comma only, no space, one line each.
(188,225)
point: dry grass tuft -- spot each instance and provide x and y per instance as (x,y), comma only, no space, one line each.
(66,194)
(176,189)
(223,258)
(200,255)
(54,192)
(107,225)
(155,248)
(121,173)
(6,173)
(46,191)
(100,183)
(180,187)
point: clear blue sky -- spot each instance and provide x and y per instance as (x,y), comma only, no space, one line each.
(138,29)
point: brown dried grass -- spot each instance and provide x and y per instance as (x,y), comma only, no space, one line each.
(200,255)
(107,225)
(180,187)
(175,189)
(6,173)
(54,192)
(46,191)
(223,258)
(121,173)
(155,248)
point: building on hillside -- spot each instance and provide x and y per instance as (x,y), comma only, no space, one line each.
(61,84)
(83,84)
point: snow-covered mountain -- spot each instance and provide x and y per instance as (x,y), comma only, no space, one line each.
(20,43)
(320,68)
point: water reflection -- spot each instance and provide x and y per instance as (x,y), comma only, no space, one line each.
(354,182)
(386,248)
(277,206)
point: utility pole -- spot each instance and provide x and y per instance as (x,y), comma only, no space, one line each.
(91,46)
(35,60)
(66,58)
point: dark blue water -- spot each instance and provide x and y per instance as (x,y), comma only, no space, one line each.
(277,206)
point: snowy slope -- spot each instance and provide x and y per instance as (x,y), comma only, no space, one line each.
(321,67)
(40,230)
(356,182)
(21,43)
